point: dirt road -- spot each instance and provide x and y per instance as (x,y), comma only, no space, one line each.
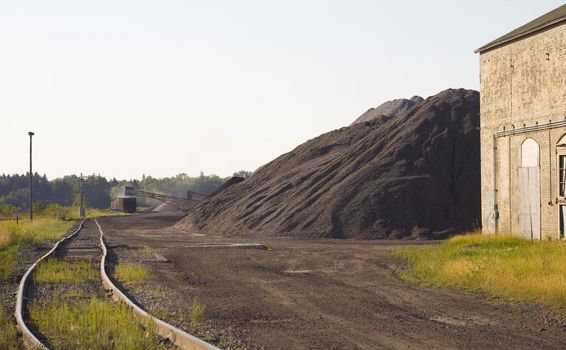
(320,294)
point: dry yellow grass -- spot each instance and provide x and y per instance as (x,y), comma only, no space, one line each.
(34,232)
(4,240)
(502,266)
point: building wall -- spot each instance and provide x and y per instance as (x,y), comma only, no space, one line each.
(522,83)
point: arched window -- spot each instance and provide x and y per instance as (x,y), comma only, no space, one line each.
(529,153)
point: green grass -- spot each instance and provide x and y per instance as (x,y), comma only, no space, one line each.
(8,335)
(147,252)
(198,320)
(52,225)
(14,237)
(8,260)
(501,266)
(95,324)
(48,226)
(69,319)
(129,273)
(60,271)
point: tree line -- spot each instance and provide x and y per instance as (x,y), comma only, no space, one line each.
(98,190)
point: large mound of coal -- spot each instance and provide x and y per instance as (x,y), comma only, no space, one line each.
(415,175)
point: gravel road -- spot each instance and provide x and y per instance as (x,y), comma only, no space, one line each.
(318,294)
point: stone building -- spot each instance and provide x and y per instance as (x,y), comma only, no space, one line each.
(523,129)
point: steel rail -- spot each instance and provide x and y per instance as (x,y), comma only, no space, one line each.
(179,337)
(30,340)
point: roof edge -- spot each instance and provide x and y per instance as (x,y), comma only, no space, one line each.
(498,43)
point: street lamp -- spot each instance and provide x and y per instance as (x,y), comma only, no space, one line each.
(82,190)
(30,176)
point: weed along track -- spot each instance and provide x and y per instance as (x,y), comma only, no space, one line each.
(71,303)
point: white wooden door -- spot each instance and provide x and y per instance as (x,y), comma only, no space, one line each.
(529,188)
(529,210)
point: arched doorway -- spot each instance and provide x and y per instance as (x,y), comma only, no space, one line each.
(529,184)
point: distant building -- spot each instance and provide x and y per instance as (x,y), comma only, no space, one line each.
(523,129)
(125,204)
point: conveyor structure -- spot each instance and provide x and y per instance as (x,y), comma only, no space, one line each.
(185,204)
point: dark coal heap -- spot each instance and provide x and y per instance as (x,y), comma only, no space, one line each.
(414,175)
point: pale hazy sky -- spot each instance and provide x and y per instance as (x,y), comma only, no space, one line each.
(123,88)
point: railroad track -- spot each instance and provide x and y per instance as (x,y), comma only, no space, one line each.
(87,243)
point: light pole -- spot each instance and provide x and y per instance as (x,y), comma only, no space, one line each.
(30,180)
(82,190)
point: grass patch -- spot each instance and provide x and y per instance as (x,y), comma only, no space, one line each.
(51,223)
(8,260)
(29,233)
(156,291)
(501,266)
(8,335)
(229,341)
(14,237)
(198,320)
(95,324)
(147,252)
(61,271)
(129,273)
(95,213)
(159,312)
(197,324)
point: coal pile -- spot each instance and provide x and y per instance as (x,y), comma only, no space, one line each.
(232,181)
(414,175)
(389,109)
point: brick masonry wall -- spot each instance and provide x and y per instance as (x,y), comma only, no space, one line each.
(522,83)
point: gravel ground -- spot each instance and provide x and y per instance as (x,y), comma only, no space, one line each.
(320,294)
(165,302)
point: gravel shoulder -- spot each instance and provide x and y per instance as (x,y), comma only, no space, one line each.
(317,294)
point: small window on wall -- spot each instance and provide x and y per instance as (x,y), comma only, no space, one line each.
(562,175)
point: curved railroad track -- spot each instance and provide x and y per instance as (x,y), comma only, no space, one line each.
(89,244)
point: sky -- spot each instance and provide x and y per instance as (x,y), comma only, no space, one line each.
(125,88)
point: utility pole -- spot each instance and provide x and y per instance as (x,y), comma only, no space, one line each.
(82,191)
(30,179)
